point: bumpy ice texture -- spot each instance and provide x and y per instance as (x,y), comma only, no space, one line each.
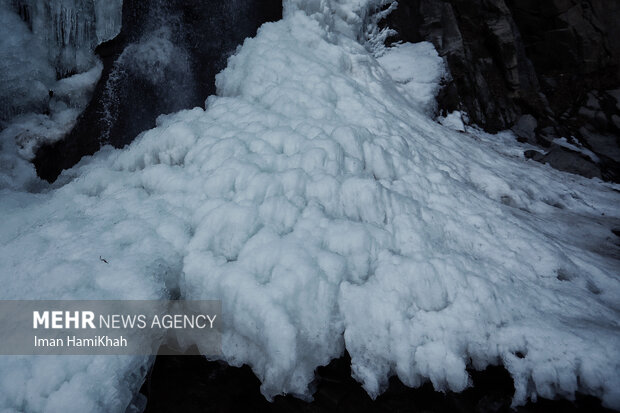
(319,201)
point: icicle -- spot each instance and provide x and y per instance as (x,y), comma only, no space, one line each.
(71,28)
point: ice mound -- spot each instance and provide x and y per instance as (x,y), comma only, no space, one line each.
(318,200)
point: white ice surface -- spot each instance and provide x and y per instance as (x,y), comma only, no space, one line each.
(326,210)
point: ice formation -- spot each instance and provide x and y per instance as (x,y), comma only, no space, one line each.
(320,202)
(70,29)
(48,72)
(46,40)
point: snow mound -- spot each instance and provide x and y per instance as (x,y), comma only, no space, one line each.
(318,200)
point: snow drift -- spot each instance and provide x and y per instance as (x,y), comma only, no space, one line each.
(319,201)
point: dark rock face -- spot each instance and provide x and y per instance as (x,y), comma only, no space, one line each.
(553,65)
(165,59)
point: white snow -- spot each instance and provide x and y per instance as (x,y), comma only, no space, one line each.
(319,201)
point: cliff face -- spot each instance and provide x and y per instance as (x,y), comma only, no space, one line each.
(547,69)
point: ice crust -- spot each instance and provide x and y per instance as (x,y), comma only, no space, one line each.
(317,198)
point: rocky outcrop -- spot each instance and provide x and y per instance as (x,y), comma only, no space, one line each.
(165,59)
(548,69)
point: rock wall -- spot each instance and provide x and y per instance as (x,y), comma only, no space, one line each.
(547,69)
